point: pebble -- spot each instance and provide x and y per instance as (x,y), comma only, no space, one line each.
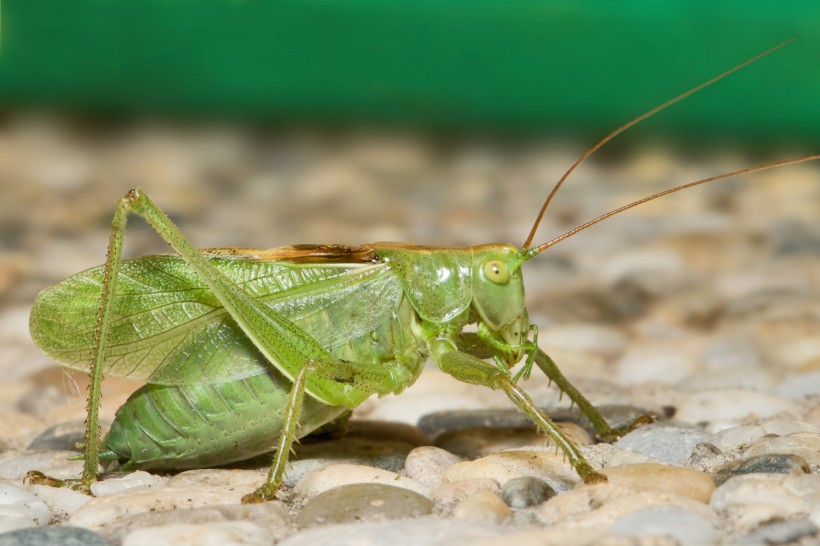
(450,493)
(63,536)
(605,342)
(62,501)
(767,464)
(685,482)
(526,491)
(661,365)
(20,508)
(482,506)
(328,477)
(51,463)
(685,527)
(803,444)
(426,530)
(732,406)
(61,437)
(187,534)
(476,442)
(600,505)
(140,478)
(427,464)
(504,466)
(799,386)
(739,436)
(781,532)
(665,443)
(363,502)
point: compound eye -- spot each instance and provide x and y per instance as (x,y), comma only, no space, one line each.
(497,272)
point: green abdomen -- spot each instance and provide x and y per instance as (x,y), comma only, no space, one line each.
(162,427)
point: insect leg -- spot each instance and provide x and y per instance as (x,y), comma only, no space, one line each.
(604,430)
(379,378)
(470,369)
(91,447)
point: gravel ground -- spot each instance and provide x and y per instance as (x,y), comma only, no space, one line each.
(702,308)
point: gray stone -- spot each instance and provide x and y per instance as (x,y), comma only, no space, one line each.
(686,527)
(769,464)
(666,443)
(526,491)
(363,502)
(61,437)
(62,536)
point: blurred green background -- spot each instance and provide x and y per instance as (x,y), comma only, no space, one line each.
(549,66)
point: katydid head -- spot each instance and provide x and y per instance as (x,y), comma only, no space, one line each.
(498,294)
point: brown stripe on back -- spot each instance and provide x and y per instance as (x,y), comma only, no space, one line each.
(298,254)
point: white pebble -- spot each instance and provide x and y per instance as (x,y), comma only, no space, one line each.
(804,444)
(16,502)
(687,528)
(453,492)
(328,477)
(427,465)
(503,466)
(740,436)
(187,534)
(482,506)
(118,484)
(666,443)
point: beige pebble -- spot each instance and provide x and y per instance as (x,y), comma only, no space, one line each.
(456,491)
(506,465)
(599,505)
(686,482)
(803,444)
(482,506)
(427,465)
(328,477)
(225,532)
(240,480)
(552,536)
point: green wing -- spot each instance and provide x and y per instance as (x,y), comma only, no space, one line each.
(168,328)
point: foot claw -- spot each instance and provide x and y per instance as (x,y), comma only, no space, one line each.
(36,477)
(265,493)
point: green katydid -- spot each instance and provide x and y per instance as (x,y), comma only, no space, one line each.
(244,351)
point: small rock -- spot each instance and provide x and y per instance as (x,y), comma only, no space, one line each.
(363,502)
(752,499)
(16,502)
(767,464)
(687,528)
(526,491)
(740,436)
(685,482)
(450,493)
(735,406)
(427,464)
(476,442)
(125,482)
(507,465)
(802,444)
(781,532)
(660,365)
(482,506)
(62,536)
(427,531)
(184,534)
(329,477)
(61,437)
(51,463)
(666,443)
(704,454)
(62,501)
(799,386)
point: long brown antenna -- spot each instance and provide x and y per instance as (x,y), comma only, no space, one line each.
(635,121)
(611,213)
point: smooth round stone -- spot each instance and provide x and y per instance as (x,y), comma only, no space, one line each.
(188,534)
(504,466)
(62,501)
(332,476)
(781,532)
(363,502)
(428,531)
(685,482)
(269,515)
(803,444)
(439,423)
(600,505)
(18,505)
(450,493)
(740,436)
(687,528)
(117,484)
(482,506)
(526,491)
(765,464)
(427,464)
(780,496)
(665,443)
(63,536)
(735,406)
